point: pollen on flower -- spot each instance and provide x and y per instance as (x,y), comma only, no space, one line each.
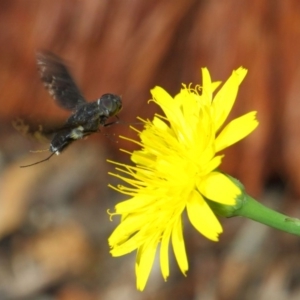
(176,170)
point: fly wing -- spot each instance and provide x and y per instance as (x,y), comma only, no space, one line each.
(58,81)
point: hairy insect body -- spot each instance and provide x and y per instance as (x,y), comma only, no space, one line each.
(86,120)
(86,117)
(64,138)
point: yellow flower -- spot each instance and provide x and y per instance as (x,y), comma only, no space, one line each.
(176,170)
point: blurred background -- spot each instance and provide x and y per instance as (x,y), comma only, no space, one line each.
(53,220)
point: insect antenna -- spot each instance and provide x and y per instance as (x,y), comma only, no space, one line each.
(38,162)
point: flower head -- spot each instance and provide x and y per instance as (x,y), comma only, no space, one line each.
(176,170)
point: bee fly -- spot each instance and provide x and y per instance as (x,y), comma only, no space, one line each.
(86,117)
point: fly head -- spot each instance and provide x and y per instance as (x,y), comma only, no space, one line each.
(110,104)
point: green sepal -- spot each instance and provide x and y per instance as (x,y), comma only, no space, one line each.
(228,211)
(249,208)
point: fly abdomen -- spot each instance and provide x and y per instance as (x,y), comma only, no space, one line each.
(64,138)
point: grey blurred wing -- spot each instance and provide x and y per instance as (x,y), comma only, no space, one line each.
(58,81)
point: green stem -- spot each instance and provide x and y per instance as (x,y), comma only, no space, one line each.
(248,207)
(254,210)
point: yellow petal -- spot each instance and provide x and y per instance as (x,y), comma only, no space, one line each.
(144,262)
(126,245)
(208,87)
(219,188)
(164,253)
(202,217)
(225,98)
(127,236)
(236,130)
(213,164)
(207,90)
(134,204)
(179,247)
(166,102)
(161,96)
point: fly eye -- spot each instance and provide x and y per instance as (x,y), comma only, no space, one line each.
(112,103)
(107,103)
